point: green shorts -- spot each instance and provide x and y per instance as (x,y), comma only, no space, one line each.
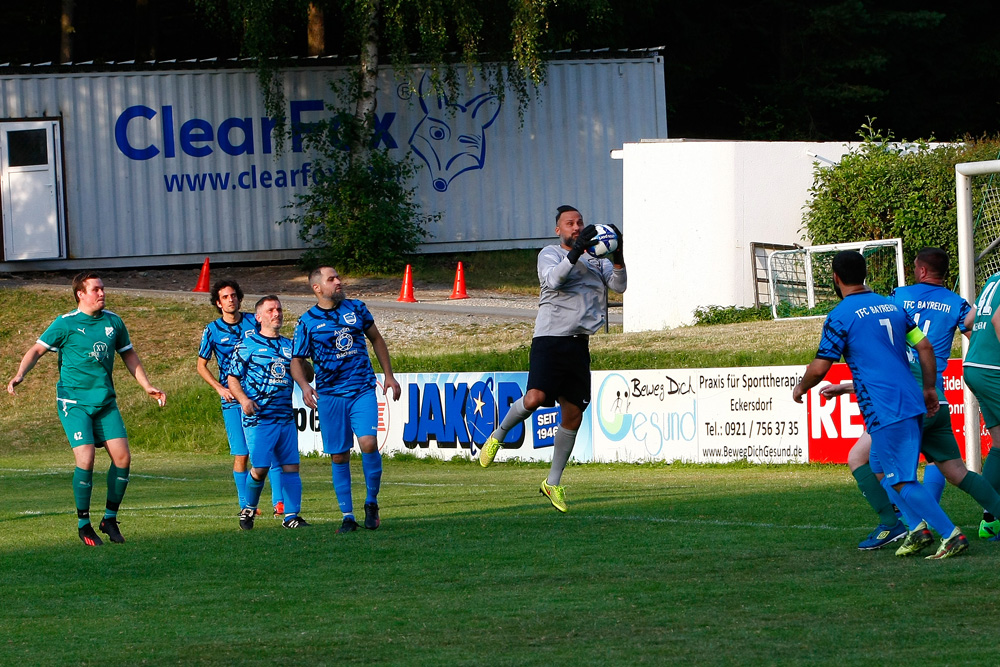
(937,442)
(985,384)
(88,424)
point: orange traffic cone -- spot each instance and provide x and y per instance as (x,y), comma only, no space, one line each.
(458,292)
(202,285)
(406,292)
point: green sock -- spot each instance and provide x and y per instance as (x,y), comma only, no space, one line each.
(117,483)
(991,468)
(875,495)
(83,484)
(976,486)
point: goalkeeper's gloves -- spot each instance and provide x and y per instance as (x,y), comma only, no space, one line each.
(583,241)
(617,257)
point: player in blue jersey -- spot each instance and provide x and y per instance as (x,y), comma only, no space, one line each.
(87,339)
(871,334)
(938,312)
(260,379)
(332,333)
(220,338)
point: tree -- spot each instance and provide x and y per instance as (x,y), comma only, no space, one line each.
(317,30)
(886,189)
(504,42)
(66,30)
(362,215)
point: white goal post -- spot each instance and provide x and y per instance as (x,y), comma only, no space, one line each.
(978,242)
(801,280)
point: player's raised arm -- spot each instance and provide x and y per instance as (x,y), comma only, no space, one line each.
(833,390)
(28,362)
(134,365)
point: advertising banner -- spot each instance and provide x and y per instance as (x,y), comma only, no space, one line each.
(452,414)
(712,415)
(707,415)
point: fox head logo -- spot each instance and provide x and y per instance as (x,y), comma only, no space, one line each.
(451,137)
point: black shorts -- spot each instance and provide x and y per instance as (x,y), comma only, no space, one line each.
(559,367)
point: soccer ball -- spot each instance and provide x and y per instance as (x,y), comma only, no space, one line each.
(605,243)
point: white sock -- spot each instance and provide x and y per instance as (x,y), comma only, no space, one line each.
(561,449)
(517,414)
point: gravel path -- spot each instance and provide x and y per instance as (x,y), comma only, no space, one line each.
(434,315)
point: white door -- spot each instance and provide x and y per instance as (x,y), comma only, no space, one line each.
(31,190)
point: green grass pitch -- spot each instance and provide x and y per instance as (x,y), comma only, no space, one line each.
(654,564)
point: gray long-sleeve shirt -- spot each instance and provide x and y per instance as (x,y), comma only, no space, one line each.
(573,297)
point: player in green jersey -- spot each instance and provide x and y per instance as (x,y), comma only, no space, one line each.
(87,339)
(981,370)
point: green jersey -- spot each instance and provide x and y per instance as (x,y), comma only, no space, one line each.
(984,346)
(87,345)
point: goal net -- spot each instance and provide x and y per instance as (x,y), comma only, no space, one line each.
(801,280)
(977,193)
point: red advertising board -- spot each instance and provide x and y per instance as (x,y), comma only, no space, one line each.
(834,425)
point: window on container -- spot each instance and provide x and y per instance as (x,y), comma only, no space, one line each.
(26,148)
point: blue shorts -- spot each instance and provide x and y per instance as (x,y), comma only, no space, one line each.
(896,450)
(232,415)
(273,442)
(342,418)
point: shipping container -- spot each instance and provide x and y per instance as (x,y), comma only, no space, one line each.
(161,165)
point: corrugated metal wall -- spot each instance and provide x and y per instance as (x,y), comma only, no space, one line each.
(120,207)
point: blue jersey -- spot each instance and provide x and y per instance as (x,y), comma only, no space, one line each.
(263,366)
(335,341)
(220,338)
(938,312)
(870,332)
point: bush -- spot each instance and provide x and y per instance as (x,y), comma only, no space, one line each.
(884,189)
(360,214)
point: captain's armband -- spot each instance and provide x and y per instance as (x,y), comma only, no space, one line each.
(914,336)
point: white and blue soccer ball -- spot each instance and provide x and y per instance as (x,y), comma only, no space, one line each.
(605,243)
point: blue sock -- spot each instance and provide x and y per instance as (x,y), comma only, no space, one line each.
(253,491)
(922,502)
(291,491)
(910,517)
(342,487)
(241,486)
(274,476)
(934,482)
(371,464)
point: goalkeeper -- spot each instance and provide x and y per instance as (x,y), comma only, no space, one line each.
(571,307)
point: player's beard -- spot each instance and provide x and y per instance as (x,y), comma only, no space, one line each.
(337,298)
(836,288)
